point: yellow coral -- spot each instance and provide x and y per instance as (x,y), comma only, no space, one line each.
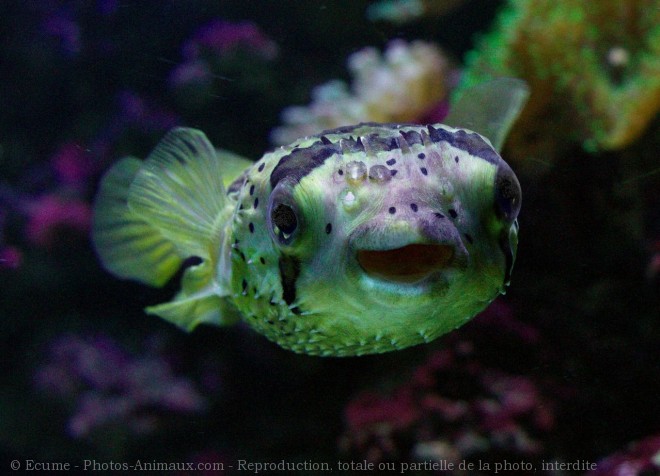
(401,85)
(593,67)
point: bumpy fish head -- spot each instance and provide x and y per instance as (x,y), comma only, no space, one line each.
(390,235)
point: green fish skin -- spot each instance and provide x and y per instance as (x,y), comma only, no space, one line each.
(362,239)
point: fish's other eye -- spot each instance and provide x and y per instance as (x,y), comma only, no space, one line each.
(283,214)
(508,195)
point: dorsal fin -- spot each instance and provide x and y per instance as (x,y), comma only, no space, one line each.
(489,108)
(179,190)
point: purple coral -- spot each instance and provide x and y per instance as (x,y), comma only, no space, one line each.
(51,214)
(221,37)
(111,387)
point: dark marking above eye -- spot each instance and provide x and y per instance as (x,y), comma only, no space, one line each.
(470,142)
(256,202)
(251,227)
(421,155)
(301,162)
(468,238)
(328,228)
(413,207)
(452,213)
(392,210)
(391,162)
(424,171)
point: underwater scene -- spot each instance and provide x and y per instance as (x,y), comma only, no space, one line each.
(315,237)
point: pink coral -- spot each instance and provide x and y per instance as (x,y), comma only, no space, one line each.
(50,214)
(221,37)
(72,164)
(111,387)
(458,403)
(638,459)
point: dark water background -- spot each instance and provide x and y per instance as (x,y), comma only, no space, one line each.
(85,82)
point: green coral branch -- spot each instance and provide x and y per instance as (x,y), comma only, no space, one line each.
(593,67)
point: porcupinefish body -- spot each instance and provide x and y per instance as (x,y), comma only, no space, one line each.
(362,239)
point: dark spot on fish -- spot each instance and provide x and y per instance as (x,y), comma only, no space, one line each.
(413,207)
(391,162)
(236,241)
(254,290)
(456,159)
(452,213)
(393,172)
(438,215)
(244,285)
(262,260)
(325,140)
(424,171)
(421,155)
(468,238)
(268,321)
(340,172)
(471,142)
(328,228)
(256,202)
(241,254)
(261,167)
(392,210)
(289,272)
(251,227)
(251,189)
(241,207)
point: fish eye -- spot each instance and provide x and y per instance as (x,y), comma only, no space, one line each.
(283,215)
(508,195)
(284,218)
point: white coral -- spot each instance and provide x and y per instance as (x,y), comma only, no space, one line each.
(401,85)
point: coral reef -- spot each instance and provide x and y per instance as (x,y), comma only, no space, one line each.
(638,459)
(593,68)
(459,405)
(404,84)
(110,388)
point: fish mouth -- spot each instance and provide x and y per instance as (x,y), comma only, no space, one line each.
(408,264)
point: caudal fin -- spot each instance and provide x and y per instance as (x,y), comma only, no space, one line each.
(151,215)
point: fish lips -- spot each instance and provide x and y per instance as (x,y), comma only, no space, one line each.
(409,254)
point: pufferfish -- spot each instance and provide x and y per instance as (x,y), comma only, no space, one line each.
(362,239)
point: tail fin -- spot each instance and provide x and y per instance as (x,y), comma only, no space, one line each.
(149,216)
